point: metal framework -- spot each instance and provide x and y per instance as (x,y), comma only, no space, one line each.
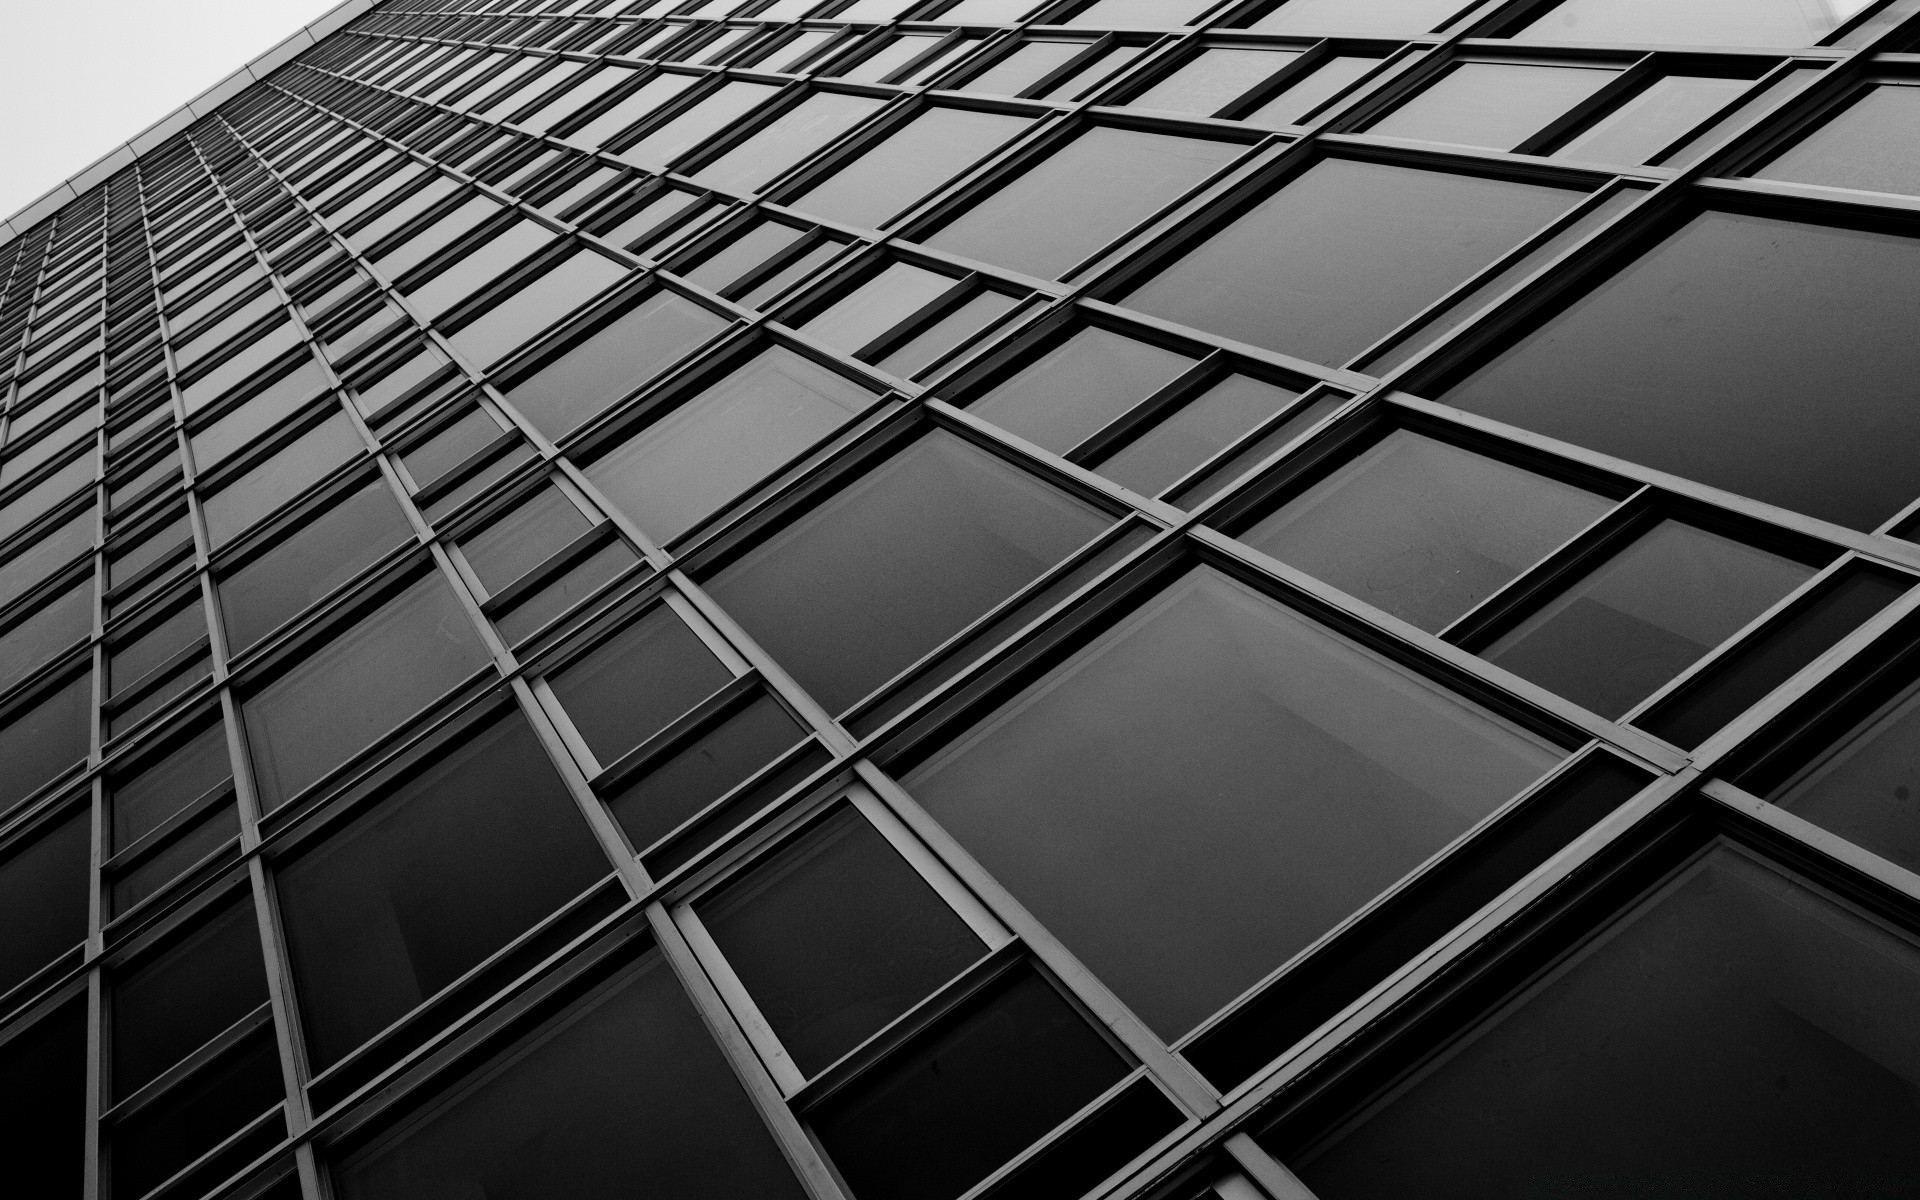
(214,351)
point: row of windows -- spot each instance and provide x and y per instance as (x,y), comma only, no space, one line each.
(495,659)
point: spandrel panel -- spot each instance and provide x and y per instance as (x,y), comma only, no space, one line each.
(1343,253)
(908,164)
(1072,391)
(1213,755)
(626,1085)
(1739,1033)
(612,362)
(1079,198)
(636,683)
(1492,104)
(834,936)
(1213,79)
(1618,635)
(716,445)
(1871,145)
(369,679)
(1703,23)
(786,140)
(440,875)
(1422,528)
(1767,357)
(898,561)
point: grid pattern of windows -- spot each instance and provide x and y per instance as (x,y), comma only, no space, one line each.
(1011,598)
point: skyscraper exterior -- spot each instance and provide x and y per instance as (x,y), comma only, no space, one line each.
(919,601)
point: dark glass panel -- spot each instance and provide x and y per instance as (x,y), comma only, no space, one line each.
(1380,18)
(717,444)
(64,621)
(1739,1035)
(1422,528)
(1084,195)
(1618,635)
(534,305)
(148,799)
(204,835)
(785,140)
(477,266)
(1492,104)
(626,1087)
(643,100)
(359,687)
(1870,145)
(1213,79)
(796,268)
(1100,1145)
(398,260)
(616,360)
(1705,355)
(453,444)
(534,531)
(43,1105)
(1345,252)
(923,348)
(132,658)
(170,1007)
(674,790)
(282,476)
(1653,119)
(45,738)
(54,549)
(345,538)
(835,936)
(565,590)
(209,1107)
(1194,432)
(287,395)
(1214,755)
(1074,390)
(1701,23)
(1308,92)
(458,863)
(742,254)
(955,1105)
(43,891)
(897,562)
(635,684)
(877,306)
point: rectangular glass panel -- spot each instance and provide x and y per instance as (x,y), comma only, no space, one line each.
(1377,18)
(1072,391)
(707,117)
(1492,104)
(1212,80)
(636,683)
(877,305)
(1653,119)
(1310,91)
(1193,433)
(908,164)
(532,532)
(304,568)
(534,305)
(284,474)
(612,362)
(923,348)
(1870,145)
(787,139)
(1701,23)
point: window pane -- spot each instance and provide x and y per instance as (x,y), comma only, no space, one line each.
(1083,196)
(289,471)
(877,306)
(42,740)
(1702,355)
(715,446)
(147,800)
(950,1109)
(1027,65)
(1871,145)
(835,936)
(457,864)
(743,253)
(1072,392)
(1212,80)
(707,117)
(646,98)
(634,685)
(616,360)
(908,165)
(536,304)
(218,441)
(1196,431)
(1147,14)
(62,622)
(55,549)
(346,538)
(626,1086)
(789,138)
(43,1103)
(478,266)
(1653,119)
(678,787)
(897,562)
(923,348)
(1216,755)
(1701,23)
(529,535)
(1384,18)
(173,1005)
(1492,104)
(1345,252)
(43,891)
(1740,1034)
(208,1107)
(1303,95)
(359,687)
(1423,529)
(1618,635)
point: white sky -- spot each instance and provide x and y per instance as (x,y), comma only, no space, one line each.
(79,77)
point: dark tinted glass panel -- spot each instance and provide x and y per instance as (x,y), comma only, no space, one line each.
(1424,529)
(1077,388)
(147,799)
(1871,145)
(1726,1039)
(835,936)
(532,532)
(631,687)
(1616,636)
(1492,104)
(1194,432)
(1653,119)
(170,1007)
(561,593)
(1216,755)
(64,621)
(44,739)
(54,550)
(288,472)
(678,787)
(1343,253)
(43,891)
(43,1104)
(950,1109)
(206,834)
(438,877)
(1386,18)
(343,540)
(1213,79)
(897,562)
(614,361)
(1079,198)
(358,687)
(536,304)
(1702,23)
(786,140)
(627,1086)
(1702,355)
(209,1107)
(477,266)
(712,447)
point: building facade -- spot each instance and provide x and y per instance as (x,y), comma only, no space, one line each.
(907,601)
